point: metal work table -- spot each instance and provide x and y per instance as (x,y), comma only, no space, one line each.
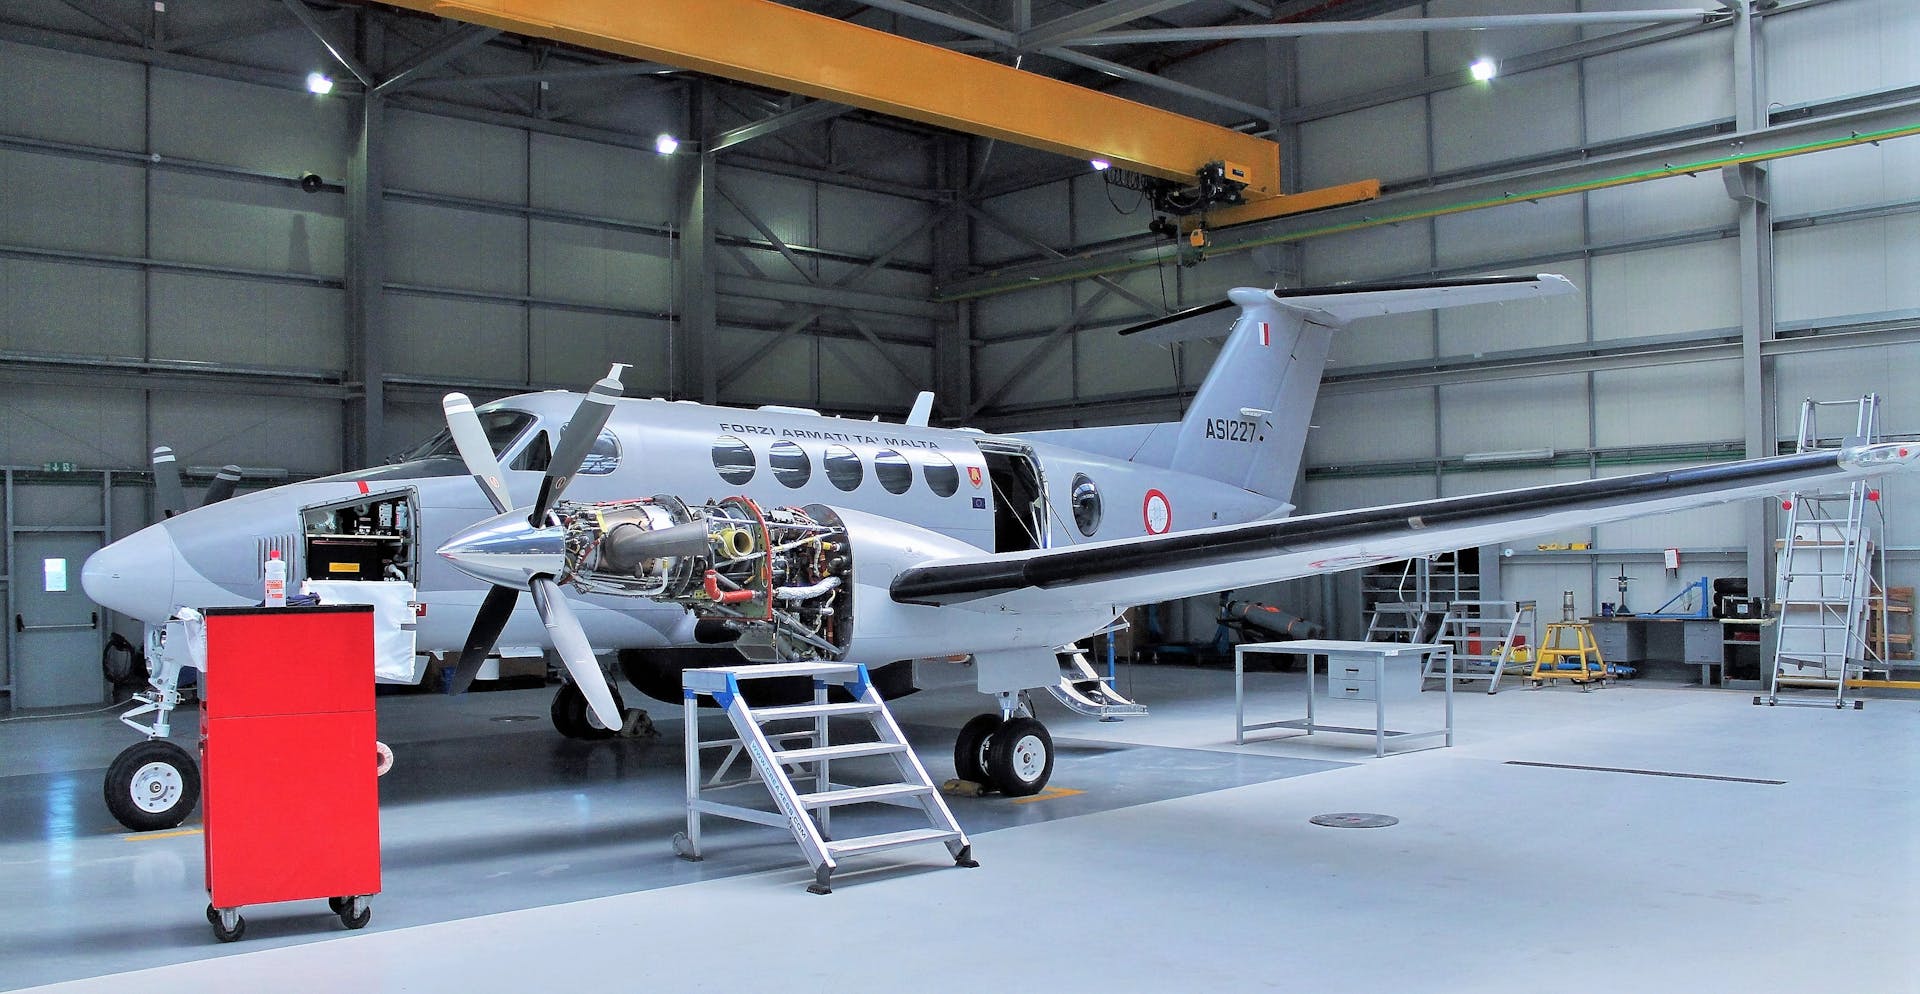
(1636,639)
(1356,671)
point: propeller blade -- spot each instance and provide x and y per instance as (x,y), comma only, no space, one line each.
(487,625)
(222,486)
(475,450)
(166,483)
(591,416)
(574,649)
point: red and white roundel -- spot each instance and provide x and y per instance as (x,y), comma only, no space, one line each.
(1157,512)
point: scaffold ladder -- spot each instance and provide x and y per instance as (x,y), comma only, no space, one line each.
(1486,638)
(1830,575)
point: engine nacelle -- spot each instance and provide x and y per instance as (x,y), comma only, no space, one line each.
(779,576)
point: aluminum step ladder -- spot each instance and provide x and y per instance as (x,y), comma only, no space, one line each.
(1406,621)
(1486,638)
(780,760)
(1829,577)
(1084,691)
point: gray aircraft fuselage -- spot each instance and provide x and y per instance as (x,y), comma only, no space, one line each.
(213,556)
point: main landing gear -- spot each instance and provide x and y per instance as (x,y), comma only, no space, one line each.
(1009,752)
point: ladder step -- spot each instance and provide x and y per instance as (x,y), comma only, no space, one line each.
(814,711)
(792,757)
(891,840)
(767,671)
(863,795)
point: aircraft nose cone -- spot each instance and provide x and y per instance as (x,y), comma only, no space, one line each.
(134,576)
(506,551)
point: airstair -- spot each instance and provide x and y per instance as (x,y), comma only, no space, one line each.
(1083,690)
(780,760)
(1830,577)
(1490,639)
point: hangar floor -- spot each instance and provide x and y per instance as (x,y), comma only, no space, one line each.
(518,861)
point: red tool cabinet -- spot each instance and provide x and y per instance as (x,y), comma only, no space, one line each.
(287,759)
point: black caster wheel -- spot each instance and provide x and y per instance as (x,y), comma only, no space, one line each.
(338,904)
(222,929)
(355,919)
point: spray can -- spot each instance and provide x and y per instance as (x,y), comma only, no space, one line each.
(276,573)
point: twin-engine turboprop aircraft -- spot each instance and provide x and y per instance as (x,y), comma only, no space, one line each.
(672,533)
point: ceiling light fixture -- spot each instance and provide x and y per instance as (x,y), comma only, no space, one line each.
(1484,69)
(318,83)
(1101,165)
(666,144)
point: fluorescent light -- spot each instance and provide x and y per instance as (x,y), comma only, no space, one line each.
(666,144)
(1101,165)
(318,83)
(1514,455)
(1484,69)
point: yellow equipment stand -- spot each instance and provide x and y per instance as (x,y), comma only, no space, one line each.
(1584,650)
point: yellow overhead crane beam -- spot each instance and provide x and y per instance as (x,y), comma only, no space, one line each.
(780,47)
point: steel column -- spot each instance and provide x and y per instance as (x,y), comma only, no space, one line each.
(693,336)
(1747,184)
(366,268)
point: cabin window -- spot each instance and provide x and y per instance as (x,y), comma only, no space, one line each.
(843,467)
(891,469)
(733,460)
(790,464)
(1086,505)
(942,478)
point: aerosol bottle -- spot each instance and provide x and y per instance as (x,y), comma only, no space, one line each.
(276,571)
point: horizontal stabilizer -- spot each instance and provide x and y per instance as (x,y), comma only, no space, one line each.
(1337,305)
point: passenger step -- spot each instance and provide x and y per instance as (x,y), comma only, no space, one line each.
(808,816)
(1084,691)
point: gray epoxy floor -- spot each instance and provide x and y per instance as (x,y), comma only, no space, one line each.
(1498,877)
(486,811)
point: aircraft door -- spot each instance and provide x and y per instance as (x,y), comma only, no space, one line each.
(1019,497)
(56,630)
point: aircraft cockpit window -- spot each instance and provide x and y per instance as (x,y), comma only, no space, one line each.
(891,469)
(790,464)
(604,457)
(733,460)
(843,467)
(502,427)
(1086,505)
(535,457)
(942,478)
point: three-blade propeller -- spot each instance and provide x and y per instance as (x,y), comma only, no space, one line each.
(569,640)
(172,498)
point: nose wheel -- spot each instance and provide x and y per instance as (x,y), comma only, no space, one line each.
(152,785)
(1014,756)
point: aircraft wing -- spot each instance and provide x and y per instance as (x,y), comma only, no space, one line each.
(1186,564)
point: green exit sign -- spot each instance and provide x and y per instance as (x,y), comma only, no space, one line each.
(58,467)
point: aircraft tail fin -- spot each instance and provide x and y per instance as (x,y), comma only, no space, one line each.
(1247,425)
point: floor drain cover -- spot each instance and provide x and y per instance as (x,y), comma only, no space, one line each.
(1354,819)
(517,717)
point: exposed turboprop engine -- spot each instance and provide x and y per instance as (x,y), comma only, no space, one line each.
(776,575)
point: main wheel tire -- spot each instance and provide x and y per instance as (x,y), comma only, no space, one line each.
(574,718)
(970,749)
(152,785)
(1020,757)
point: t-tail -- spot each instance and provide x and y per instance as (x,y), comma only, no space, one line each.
(1248,422)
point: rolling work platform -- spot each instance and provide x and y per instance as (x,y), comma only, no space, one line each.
(1486,638)
(1831,573)
(808,753)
